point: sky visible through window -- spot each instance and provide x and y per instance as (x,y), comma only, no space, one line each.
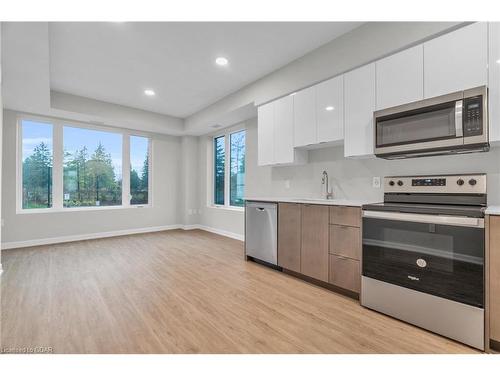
(34,133)
(138,151)
(76,138)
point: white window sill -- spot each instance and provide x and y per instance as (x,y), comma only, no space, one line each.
(78,209)
(226,208)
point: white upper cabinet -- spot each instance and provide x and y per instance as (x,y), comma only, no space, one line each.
(456,61)
(400,78)
(330,110)
(305,132)
(494,82)
(283,130)
(359,102)
(275,134)
(265,134)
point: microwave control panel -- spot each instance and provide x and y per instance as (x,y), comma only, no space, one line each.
(473,116)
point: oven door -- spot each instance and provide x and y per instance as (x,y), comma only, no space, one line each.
(438,255)
(430,124)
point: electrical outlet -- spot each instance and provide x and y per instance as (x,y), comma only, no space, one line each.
(287,184)
(376,182)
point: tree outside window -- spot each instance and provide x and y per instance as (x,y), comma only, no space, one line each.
(36,164)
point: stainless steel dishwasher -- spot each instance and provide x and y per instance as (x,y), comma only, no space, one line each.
(261,231)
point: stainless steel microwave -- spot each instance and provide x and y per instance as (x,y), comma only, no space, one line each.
(453,123)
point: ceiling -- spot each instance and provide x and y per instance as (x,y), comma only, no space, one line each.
(115,62)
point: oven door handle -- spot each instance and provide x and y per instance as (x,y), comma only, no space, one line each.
(460,221)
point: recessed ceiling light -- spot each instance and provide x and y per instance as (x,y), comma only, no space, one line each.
(293,93)
(149,92)
(330,108)
(498,61)
(222,61)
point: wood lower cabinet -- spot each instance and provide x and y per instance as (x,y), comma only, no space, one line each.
(342,215)
(345,248)
(289,235)
(345,273)
(494,277)
(345,241)
(321,242)
(314,242)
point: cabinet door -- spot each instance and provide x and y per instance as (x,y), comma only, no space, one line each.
(314,249)
(283,130)
(330,110)
(265,134)
(359,102)
(494,82)
(494,252)
(345,273)
(456,61)
(400,78)
(305,117)
(289,227)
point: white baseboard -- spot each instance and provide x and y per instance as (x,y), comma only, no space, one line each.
(90,236)
(221,232)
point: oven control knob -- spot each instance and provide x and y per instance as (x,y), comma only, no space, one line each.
(400,183)
(391,183)
(472,181)
(460,182)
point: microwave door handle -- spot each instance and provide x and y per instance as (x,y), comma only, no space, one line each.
(458,118)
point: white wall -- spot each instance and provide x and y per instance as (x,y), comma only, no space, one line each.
(189,191)
(225,220)
(1,134)
(352,178)
(166,172)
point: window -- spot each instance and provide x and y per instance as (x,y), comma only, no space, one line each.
(36,158)
(219,169)
(237,172)
(64,166)
(231,180)
(92,168)
(139,170)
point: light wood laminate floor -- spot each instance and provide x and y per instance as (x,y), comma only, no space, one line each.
(184,292)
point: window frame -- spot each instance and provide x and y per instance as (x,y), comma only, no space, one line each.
(226,133)
(58,165)
(150,174)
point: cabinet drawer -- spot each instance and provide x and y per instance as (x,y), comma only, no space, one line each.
(344,273)
(345,241)
(341,215)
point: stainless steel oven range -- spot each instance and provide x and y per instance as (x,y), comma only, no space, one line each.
(423,254)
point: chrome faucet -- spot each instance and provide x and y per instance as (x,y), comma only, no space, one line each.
(324,181)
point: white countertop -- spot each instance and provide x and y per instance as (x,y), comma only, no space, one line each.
(327,202)
(493,210)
